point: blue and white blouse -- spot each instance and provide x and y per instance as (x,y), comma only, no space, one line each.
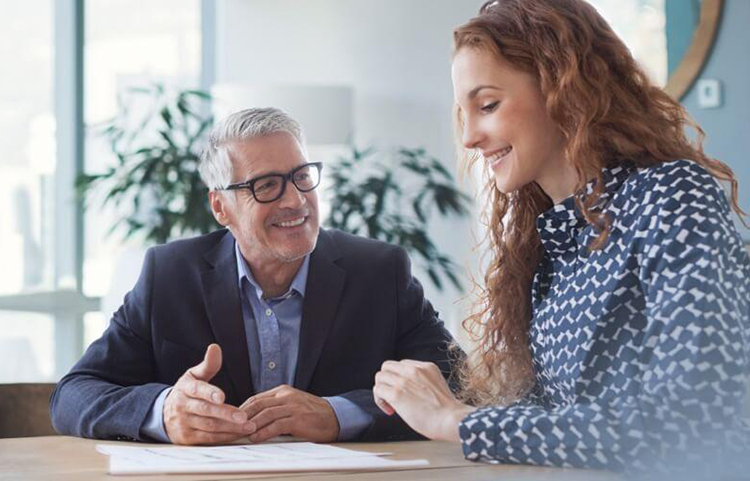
(641,349)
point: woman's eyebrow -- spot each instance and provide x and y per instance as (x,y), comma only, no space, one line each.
(479,88)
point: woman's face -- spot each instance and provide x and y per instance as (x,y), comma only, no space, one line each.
(506,121)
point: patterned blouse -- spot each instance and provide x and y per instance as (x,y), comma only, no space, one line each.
(641,349)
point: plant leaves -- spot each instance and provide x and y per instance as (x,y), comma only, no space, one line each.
(371,193)
(156,166)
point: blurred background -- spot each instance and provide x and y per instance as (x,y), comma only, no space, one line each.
(369,81)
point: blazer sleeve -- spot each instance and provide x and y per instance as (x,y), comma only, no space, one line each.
(420,335)
(109,391)
(691,370)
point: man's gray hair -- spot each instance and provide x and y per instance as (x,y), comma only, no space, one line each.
(215,167)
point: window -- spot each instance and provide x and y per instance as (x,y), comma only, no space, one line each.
(50,288)
(27,174)
(642,25)
(125,48)
(27,166)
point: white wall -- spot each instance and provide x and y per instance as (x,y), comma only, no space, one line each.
(395,54)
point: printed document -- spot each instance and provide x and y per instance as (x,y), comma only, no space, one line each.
(252,458)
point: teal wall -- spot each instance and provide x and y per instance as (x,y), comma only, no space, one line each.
(682,16)
(728,127)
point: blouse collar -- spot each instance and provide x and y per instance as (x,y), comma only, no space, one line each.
(559,226)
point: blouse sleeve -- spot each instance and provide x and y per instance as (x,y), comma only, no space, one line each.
(692,364)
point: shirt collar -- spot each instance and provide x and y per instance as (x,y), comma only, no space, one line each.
(299,283)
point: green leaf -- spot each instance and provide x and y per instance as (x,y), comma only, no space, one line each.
(435,278)
(166,135)
(416,205)
(449,272)
(436,165)
(414,166)
(166,116)
(199,93)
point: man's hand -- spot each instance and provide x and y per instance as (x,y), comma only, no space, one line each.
(194,411)
(285,410)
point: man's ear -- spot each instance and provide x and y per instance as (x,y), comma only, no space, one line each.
(219,207)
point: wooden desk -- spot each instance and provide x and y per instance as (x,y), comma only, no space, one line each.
(62,458)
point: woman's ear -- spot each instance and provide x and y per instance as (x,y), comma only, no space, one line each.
(219,204)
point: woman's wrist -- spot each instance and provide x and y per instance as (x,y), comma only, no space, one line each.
(454,419)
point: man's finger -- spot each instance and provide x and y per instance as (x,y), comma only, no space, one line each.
(225,412)
(255,405)
(214,425)
(276,428)
(209,367)
(204,437)
(203,390)
(269,415)
(267,394)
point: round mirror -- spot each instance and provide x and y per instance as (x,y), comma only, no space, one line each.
(670,38)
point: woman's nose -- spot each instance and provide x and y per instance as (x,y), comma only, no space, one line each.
(471,136)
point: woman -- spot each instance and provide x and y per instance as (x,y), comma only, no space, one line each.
(613,330)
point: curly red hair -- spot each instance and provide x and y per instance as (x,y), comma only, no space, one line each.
(609,112)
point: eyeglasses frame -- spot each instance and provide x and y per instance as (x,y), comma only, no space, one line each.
(288,177)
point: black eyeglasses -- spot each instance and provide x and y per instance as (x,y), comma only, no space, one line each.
(270,187)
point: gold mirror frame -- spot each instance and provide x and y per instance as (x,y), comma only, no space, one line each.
(697,53)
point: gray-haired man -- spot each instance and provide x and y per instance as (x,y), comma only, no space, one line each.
(271,326)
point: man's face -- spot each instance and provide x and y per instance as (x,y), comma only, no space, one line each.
(284,230)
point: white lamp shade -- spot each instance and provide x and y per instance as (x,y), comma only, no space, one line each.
(325,112)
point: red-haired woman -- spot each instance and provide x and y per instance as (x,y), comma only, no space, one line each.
(613,328)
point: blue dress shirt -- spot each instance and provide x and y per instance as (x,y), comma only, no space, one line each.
(272,327)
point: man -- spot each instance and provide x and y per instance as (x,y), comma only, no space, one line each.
(268,327)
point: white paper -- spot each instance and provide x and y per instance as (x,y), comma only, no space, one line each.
(254,458)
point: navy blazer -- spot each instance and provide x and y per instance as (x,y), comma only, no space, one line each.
(361,307)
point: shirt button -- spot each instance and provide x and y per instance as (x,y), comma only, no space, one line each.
(272,365)
(269,312)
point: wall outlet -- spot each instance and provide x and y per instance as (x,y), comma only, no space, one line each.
(709,93)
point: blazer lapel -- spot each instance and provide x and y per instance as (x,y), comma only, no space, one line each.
(325,283)
(222,298)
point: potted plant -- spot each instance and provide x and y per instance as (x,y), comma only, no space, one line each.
(157,137)
(392,197)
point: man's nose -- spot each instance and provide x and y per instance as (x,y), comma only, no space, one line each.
(292,197)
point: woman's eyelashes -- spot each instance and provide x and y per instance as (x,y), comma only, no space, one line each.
(490,107)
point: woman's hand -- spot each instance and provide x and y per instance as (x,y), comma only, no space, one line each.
(419,394)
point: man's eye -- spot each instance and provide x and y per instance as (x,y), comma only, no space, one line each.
(490,107)
(265,185)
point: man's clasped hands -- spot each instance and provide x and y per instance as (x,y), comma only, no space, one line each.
(195,412)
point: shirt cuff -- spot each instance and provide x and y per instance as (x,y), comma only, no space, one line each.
(153,426)
(353,420)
